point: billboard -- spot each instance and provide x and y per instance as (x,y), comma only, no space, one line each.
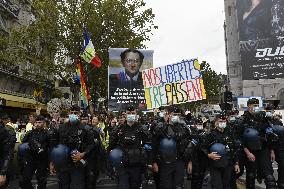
(125,77)
(242,102)
(261,34)
(173,84)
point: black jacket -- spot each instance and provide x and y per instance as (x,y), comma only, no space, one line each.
(179,132)
(7,143)
(76,136)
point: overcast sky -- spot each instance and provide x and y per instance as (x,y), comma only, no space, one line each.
(188,29)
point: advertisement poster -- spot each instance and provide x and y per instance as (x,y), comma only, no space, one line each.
(125,77)
(261,34)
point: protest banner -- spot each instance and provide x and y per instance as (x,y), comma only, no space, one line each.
(173,84)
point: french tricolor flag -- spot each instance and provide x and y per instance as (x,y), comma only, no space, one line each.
(88,51)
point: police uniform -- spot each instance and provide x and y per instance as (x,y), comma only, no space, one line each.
(33,159)
(153,128)
(171,151)
(7,143)
(199,160)
(223,143)
(254,139)
(75,137)
(93,158)
(278,132)
(233,127)
(130,140)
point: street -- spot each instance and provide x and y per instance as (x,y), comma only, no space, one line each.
(105,182)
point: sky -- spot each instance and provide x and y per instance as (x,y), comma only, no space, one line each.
(188,29)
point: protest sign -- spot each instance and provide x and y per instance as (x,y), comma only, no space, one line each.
(125,77)
(173,84)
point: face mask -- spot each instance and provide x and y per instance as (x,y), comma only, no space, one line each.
(131,117)
(161,114)
(222,125)
(73,118)
(256,109)
(232,119)
(268,114)
(175,119)
(199,127)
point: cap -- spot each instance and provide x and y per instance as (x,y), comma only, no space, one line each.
(269,107)
(40,118)
(76,108)
(175,109)
(130,108)
(221,116)
(252,101)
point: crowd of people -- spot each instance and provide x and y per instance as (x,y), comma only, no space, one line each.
(129,147)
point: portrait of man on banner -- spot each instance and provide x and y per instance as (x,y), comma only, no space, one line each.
(125,77)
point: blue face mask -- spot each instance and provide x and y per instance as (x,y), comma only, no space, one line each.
(73,118)
(131,117)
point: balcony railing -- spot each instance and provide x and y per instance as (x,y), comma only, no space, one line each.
(10,7)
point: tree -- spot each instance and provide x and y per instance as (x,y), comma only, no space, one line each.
(55,34)
(213,84)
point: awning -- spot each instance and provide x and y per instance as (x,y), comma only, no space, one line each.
(21,102)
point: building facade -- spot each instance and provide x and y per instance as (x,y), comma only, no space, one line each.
(19,93)
(272,90)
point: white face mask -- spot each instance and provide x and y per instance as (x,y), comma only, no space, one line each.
(199,127)
(232,119)
(162,114)
(269,114)
(256,109)
(131,117)
(222,125)
(175,119)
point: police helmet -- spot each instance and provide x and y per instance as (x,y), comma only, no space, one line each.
(115,157)
(250,134)
(59,154)
(219,148)
(23,148)
(278,129)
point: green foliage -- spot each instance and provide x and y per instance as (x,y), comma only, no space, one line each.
(56,33)
(213,83)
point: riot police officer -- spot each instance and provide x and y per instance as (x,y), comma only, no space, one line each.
(33,156)
(95,158)
(219,147)
(171,150)
(277,135)
(256,147)
(127,140)
(199,160)
(7,143)
(68,158)
(161,118)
